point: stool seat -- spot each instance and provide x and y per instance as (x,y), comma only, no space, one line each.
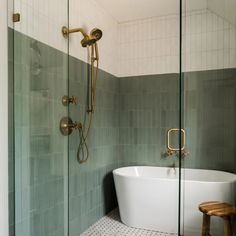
(216,208)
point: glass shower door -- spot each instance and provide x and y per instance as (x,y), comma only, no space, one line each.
(133,112)
(54,193)
(41,151)
(208,65)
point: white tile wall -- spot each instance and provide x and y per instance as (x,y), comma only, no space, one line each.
(150,46)
(88,14)
(147,46)
(209,42)
(42,20)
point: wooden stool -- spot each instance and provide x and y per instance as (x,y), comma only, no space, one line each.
(214,208)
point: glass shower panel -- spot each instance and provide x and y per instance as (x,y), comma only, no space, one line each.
(41,152)
(209,62)
(137,102)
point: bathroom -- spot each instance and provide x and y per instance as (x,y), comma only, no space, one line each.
(118,117)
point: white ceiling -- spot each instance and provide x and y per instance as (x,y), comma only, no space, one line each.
(128,10)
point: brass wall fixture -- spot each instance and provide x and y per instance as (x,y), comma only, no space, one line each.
(175,150)
(66,100)
(169,147)
(90,42)
(67,126)
(16,17)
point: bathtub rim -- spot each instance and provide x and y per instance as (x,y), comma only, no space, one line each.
(174,179)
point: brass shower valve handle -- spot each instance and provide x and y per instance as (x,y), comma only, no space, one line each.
(73,125)
(171,153)
(67,100)
(67,126)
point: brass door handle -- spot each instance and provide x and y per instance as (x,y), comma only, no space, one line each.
(168,145)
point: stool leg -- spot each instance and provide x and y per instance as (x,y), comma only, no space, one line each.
(227,226)
(206,225)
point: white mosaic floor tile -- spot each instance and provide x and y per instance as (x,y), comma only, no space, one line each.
(110,225)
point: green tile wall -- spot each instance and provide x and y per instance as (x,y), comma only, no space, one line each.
(148,107)
(41,152)
(40,78)
(91,187)
(210,114)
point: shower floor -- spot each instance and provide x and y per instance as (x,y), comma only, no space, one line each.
(110,225)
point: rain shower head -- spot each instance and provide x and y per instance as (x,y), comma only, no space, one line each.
(96,33)
(87,41)
(93,37)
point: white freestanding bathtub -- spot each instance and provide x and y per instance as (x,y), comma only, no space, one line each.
(148,197)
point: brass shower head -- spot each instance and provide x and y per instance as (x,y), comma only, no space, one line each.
(87,41)
(93,37)
(96,33)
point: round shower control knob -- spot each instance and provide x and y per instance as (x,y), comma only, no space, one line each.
(67,126)
(67,100)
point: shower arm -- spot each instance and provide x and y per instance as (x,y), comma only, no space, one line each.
(66,31)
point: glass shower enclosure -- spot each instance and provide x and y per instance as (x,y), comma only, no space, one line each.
(40,74)
(208,71)
(165,96)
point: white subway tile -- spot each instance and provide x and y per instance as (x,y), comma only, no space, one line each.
(209,60)
(226,58)
(209,41)
(226,24)
(232,38)
(204,60)
(203,41)
(209,23)
(220,23)
(197,42)
(226,39)
(220,39)
(215,22)
(232,58)
(214,40)
(214,58)
(198,24)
